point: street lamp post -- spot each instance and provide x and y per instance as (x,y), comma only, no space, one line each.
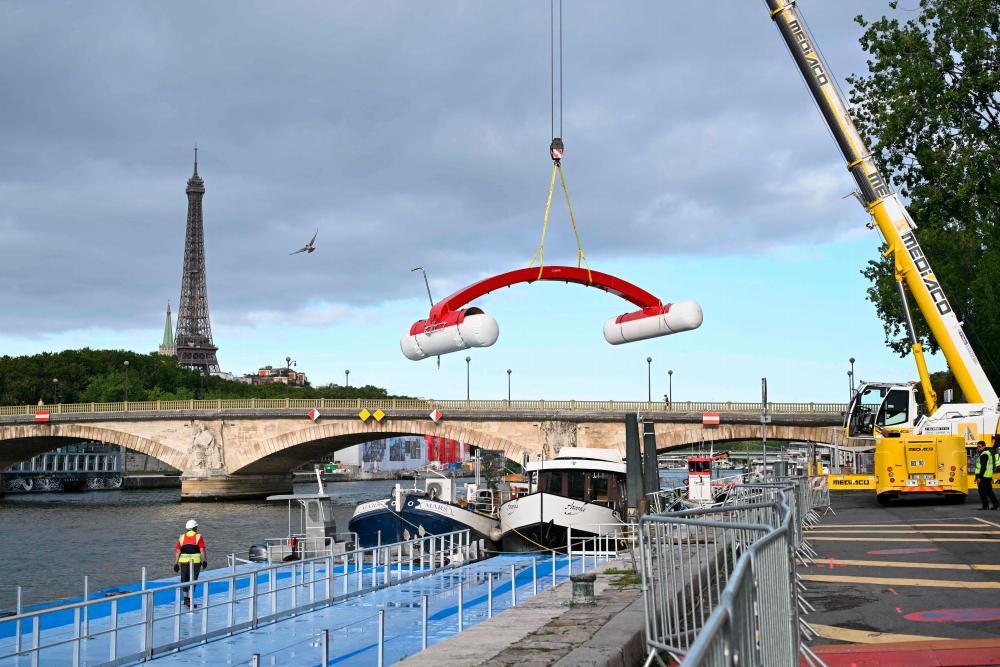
(851,360)
(467,377)
(126,380)
(649,379)
(850,385)
(347,378)
(670,388)
(55,389)
(508,385)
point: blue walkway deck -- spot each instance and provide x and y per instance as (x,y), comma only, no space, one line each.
(296,640)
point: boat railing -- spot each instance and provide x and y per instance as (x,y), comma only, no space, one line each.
(299,546)
(152,621)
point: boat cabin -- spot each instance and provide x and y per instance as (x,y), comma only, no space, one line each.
(700,479)
(588,475)
(312,530)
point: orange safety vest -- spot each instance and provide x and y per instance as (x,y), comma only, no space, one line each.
(190,543)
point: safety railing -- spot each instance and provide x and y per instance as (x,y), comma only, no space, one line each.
(593,541)
(140,625)
(388,404)
(719,584)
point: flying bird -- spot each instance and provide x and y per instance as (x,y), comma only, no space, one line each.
(309,247)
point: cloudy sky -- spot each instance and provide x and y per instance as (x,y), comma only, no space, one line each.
(416,133)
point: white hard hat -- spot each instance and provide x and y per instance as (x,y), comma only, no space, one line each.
(191,524)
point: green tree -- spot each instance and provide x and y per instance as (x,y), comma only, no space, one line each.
(930,109)
(99,376)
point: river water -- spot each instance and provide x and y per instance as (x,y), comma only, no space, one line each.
(52,540)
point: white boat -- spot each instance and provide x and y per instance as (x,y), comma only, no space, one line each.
(582,489)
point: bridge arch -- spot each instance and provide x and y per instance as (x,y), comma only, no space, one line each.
(671,436)
(19,442)
(285,452)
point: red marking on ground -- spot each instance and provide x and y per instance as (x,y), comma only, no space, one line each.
(906,551)
(898,610)
(893,591)
(831,563)
(961,615)
(947,653)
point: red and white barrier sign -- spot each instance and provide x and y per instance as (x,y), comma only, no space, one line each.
(710,419)
(435,416)
(313,414)
(42,416)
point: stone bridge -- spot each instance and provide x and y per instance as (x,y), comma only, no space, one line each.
(247,448)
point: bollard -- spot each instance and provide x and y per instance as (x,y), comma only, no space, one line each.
(534,576)
(489,596)
(423,626)
(553,568)
(461,606)
(583,589)
(513,586)
(325,647)
(255,660)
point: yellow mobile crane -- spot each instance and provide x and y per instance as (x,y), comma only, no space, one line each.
(913,453)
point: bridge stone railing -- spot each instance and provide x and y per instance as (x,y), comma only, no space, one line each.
(422,404)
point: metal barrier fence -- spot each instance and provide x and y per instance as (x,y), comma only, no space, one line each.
(719,584)
(421,404)
(140,625)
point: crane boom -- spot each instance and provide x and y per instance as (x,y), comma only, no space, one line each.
(911,265)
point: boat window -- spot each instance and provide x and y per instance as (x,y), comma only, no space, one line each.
(699,466)
(599,487)
(575,484)
(551,481)
(616,490)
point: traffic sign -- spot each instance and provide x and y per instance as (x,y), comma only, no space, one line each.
(364,414)
(42,416)
(313,414)
(435,416)
(378,414)
(710,419)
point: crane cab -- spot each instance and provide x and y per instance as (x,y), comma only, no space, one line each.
(881,405)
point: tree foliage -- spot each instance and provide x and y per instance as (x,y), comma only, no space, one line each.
(99,375)
(930,109)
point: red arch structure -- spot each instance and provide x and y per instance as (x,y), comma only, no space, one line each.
(566,274)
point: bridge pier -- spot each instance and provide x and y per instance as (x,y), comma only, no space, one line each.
(202,487)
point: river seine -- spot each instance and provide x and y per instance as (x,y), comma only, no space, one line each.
(52,540)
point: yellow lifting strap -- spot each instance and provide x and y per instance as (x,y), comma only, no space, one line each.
(581,258)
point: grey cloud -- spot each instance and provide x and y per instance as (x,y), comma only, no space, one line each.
(409,133)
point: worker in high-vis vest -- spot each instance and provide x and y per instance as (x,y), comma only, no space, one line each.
(984,477)
(189,556)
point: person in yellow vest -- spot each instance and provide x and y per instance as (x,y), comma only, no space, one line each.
(984,476)
(189,556)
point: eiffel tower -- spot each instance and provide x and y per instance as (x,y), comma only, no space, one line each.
(193,342)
